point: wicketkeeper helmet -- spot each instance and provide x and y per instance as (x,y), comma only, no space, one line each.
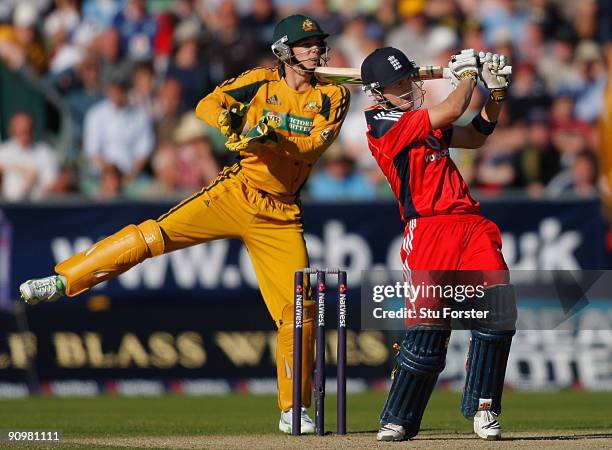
(291,30)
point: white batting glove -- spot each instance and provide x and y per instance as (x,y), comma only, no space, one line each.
(463,65)
(497,84)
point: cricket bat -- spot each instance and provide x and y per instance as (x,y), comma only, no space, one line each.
(352,75)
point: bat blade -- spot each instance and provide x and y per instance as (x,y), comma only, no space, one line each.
(352,75)
(338,75)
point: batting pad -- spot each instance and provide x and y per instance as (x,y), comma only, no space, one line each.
(489,350)
(111,256)
(421,358)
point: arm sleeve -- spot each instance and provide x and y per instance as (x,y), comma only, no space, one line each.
(240,89)
(323,133)
(412,126)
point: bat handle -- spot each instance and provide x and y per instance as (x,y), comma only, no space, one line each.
(507,70)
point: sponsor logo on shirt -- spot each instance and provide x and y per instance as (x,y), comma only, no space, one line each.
(275,118)
(273,100)
(436,155)
(289,122)
(312,107)
(436,145)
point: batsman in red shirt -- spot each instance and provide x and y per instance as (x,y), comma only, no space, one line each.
(444,232)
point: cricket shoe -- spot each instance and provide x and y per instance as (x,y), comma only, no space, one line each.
(307,425)
(46,289)
(391,432)
(486,425)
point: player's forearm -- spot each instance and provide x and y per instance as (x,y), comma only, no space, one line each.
(460,98)
(490,111)
(454,106)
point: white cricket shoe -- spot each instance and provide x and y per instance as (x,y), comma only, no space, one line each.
(391,432)
(46,289)
(486,425)
(308,426)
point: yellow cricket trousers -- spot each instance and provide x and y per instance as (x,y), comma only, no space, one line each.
(272,232)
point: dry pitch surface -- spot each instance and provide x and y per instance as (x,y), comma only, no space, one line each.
(569,419)
(425,440)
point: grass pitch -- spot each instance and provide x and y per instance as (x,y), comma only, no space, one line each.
(242,421)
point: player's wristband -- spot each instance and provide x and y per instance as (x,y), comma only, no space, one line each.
(482,126)
(498,95)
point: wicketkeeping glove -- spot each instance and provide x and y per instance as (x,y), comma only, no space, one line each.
(231,120)
(262,132)
(496,83)
(463,65)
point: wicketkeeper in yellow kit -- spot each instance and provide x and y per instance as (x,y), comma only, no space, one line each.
(291,119)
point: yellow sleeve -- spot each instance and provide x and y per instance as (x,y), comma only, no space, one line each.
(239,89)
(324,131)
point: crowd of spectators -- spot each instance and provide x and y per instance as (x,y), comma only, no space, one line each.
(131,72)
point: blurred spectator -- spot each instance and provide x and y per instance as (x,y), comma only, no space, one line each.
(584,14)
(86,92)
(339,179)
(63,19)
(188,66)
(570,135)
(329,20)
(111,183)
(547,15)
(501,19)
(66,182)
(233,49)
(117,133)
(532,44)
(165,181)
(444,12)
(495,169)
(100,13)
(166,110)
(537,162)
(81,88)
(59,28)
(579,179)
(196,162)
(260,22)
(107,47)
(590,93)
(142,94)
(411,36)
(20,43)
(361,36)
(472,34)
(385,15)
(28,169)
(528,91)
(182,48)
(557,65)
(136,29)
